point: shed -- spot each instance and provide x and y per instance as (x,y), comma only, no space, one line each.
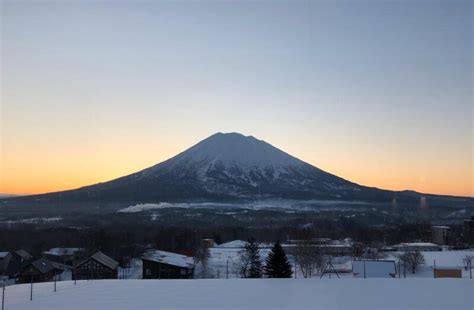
(167,265)
(447,272)
(97,266)
(368,268)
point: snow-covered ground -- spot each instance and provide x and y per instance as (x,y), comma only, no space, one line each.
(246,294)
(440,259)
(226,257)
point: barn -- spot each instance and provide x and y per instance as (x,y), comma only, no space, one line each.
(97,266)
(166,265)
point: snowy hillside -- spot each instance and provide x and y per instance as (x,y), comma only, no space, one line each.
(246,294)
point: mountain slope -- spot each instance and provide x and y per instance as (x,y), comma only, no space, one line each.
(226,167)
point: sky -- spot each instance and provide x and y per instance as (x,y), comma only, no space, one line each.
(377,92)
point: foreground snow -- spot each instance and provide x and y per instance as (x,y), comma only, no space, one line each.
(247,294)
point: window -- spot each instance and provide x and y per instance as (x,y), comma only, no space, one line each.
(183,272)
(148,272)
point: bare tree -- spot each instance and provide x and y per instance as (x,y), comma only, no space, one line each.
(321,262)
(244,263)
(358,249)
(373,253)
(306,254)
(202,255)
(251,264)
(324,263)
(413,260)
(467,261)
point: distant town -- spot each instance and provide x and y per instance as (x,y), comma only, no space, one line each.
(442,256)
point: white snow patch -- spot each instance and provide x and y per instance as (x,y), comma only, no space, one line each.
(369,294)
(36,220)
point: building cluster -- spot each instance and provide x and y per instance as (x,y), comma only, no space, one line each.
(71,264)
(74,263)
(57,263)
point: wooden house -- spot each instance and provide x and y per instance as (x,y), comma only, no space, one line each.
(167,265)
(22,256)
(98,266)
(41,270)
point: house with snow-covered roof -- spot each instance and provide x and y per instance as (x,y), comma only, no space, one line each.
(64,255)
(11,263)
(417,246)
(167,265)
(22,256)
(97,266)
(41,270)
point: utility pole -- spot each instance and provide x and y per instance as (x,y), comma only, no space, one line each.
(31,288)
(364,270)
(227,270)
(3,295)
(294,259)
(470,269)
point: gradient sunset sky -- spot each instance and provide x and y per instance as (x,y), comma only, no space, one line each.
(377,92)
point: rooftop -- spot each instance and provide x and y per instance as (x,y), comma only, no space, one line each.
(105,260)
(62,251)
(419,244)
(169,258)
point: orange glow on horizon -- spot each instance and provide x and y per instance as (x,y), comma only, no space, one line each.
(51,172)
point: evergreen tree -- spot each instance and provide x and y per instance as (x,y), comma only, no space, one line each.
(277,264)
(251,262)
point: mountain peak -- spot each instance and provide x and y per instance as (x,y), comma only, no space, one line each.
(230,135)
(235,148)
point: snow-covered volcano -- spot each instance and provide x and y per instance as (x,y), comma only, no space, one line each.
(226,167)
(235,166)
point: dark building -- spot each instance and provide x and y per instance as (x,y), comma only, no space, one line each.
(98,266)
(22,256)
(64,255)
(167,265)
(12,263)
(41,270)
(440,235)
(5,258)
(468,232)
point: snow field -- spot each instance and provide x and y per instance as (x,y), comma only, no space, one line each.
(247,294)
